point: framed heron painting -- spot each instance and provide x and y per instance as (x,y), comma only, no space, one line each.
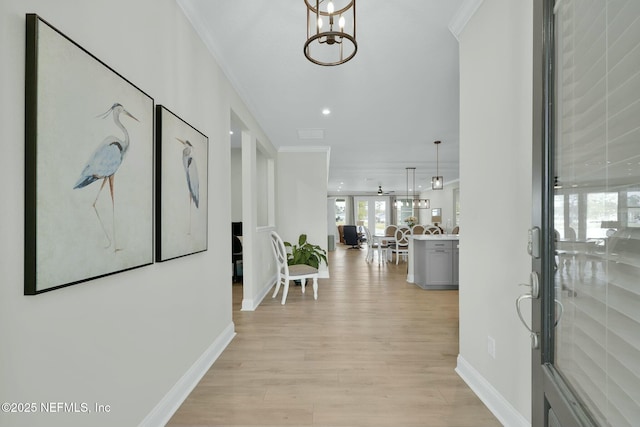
(182,158)
(88,165)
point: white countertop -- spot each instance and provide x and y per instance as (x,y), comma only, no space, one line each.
(436,237)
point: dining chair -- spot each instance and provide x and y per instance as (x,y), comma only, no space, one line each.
(375,245)
(401,245)
(417,229)
(432,229)
(390,230)
(286,272)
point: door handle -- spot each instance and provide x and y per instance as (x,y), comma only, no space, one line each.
(535,342)
(561,307)
(518,302)
(534,284)
(532,334)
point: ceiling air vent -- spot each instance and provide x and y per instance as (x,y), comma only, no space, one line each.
(310,133)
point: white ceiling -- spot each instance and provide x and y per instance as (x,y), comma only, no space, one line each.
(388,104)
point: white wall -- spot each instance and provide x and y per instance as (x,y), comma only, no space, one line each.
(236,184)
(134,340)
(259,273)
(440,199)
(301,177)
(262,189)
(495,197)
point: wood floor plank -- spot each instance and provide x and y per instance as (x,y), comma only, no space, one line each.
(373,350)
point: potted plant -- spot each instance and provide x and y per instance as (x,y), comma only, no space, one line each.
(305,253)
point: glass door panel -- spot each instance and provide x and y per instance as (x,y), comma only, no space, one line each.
(380,219)
(372,212)
(588,360)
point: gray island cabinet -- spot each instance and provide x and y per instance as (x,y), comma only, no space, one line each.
(433,261)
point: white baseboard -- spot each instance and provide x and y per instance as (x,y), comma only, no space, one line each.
(249,304)
(170,403)
(493,400)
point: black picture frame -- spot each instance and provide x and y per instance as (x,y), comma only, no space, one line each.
(182,166)
(88,194)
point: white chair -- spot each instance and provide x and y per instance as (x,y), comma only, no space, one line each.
(286,272)
(375,245)
(432,229)
(401,245)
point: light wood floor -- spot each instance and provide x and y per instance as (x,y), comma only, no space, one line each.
(373,350)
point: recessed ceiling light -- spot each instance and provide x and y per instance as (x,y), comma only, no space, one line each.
(326,111)
(230,132)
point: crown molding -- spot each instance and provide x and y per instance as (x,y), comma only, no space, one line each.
(462,16)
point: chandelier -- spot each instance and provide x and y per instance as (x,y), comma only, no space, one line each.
(437,182)
(416,202)
(331,31)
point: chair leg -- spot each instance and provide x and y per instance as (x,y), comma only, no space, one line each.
(382,252)
(277,287)
(302,283)
(315,287)
(285,291)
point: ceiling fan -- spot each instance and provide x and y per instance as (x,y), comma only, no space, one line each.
(383,193)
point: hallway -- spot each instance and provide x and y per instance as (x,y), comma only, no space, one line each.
(373,350)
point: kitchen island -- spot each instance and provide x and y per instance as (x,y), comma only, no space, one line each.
(433,261)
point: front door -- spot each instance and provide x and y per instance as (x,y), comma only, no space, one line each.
(585,240)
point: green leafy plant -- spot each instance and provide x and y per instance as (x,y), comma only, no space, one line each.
(305,253)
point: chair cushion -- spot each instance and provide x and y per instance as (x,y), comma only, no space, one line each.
(300,269)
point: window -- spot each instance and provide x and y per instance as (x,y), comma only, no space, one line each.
(341,211)
(600,207)
(404,210)
(633,209)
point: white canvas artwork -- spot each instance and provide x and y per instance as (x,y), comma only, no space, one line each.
(182,168)
(90,154)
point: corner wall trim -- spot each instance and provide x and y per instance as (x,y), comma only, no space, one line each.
(493,400)
(252,304)
(171,401)
(462,16)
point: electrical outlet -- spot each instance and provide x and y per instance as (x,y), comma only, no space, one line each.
(491,347)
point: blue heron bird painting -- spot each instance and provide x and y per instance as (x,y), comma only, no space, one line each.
(182,188)
(191,171)
(103,165)
(80,225)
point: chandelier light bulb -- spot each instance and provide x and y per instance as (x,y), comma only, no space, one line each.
(330,7)
(319,23)
(341,22)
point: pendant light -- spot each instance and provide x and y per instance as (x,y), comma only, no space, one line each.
(416,202)
(331,31)
(437,182)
